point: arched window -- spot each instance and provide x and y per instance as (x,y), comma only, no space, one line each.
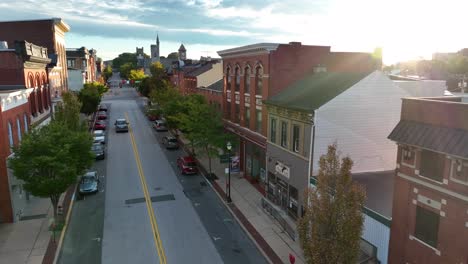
(25,117)
(237,74)
(228,78)
(10,135)
(247,80)
(259,80)
(18,126)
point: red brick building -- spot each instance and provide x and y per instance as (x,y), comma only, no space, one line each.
(256,72)
(48,33)
(24,101)
(430,203)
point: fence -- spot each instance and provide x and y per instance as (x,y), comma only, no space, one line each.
(279,216)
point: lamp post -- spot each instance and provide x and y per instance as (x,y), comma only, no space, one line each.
(462,84)
(228,186)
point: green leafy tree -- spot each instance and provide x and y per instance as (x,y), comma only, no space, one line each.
(173,55)
(107,73)
(157,81)
(330,230)
(124,58)
(136,75)
(90,98)
(125,70)
(458,65)
(68,112)
(50,158)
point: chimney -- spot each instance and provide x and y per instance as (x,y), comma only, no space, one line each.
(3,45)
(295,43)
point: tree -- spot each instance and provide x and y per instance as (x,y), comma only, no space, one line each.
(331,227)
(107,73)
(157,81)
(136,75)
(125,70)
(173,55)
(123,58)
(90,98)
(68,112)
(50,158)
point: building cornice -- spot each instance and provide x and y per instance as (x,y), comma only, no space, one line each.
(12,99)
(249,49)
(60,24)
(290,113)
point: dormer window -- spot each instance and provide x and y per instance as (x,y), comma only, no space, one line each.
(459,171)
(408,156)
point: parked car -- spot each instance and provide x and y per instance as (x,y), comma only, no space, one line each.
(99,136)
(170,142)
(102,115)
(187,165)
(152,117)
(103,107)
(100,125)
(121,125)
(99,151)
(89,183)
(160,125)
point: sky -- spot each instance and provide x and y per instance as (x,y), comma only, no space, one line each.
(404,29)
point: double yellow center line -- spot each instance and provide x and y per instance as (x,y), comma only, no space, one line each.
(154,225)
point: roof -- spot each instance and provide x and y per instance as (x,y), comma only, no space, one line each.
(315,90)
(182,47)
(202,69)
(217,86)
(249,48)
(379,190)
(452,141)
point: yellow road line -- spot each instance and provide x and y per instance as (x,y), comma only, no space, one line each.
(154,225)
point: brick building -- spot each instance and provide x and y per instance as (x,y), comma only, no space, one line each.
(48,33)
(430,203)
(24,101)
(256,72)
(82,67)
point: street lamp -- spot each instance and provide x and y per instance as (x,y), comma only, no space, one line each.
(462,84)
(228,186)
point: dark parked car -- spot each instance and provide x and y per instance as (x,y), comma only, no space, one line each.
(89,183)
(103,108)
(121,125)
(160,125)
(100,125)
(187,165)
(170,142)
(99,151)
(102,115)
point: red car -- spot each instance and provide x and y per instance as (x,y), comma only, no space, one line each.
(102,115)
(187,165)
(100,125)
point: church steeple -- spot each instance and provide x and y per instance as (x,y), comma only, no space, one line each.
(157,39)
(155,51)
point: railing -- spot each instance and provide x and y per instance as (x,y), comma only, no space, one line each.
(279,217)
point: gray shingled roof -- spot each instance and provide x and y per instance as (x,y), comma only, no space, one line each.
(217,86)
(452,141)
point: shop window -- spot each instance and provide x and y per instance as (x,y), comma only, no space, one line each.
(18,126)
(296,138)
(432,165)
(247,80)
(247,117)
(459,171)
(293,204)
(258,120)
(427,226)
(273,130)
(259,80)
(284,134)
(238,78)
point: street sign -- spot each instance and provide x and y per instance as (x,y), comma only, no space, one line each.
(224,158)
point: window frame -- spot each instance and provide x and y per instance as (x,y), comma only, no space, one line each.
(237,79)
(408,157)
(11,141)
(454,165)
(296,142)
(247,80)
(247,116)
(258,123)
(426,169)
(420,224)
(284,133)
(26,127)
(258,80)
(273,129)
(18,128)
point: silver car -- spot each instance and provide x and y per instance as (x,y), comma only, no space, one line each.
(99,136)
(160,125)
(121,125)
(89,183)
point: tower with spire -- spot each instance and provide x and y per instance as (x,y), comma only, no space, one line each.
(155,51)
(182,53)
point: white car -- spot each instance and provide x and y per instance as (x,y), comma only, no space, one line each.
(99,136)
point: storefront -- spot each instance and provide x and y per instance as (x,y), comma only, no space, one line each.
(283,195)
(254,161)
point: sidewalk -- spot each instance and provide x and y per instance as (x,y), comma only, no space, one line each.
(247,203)
(26,241)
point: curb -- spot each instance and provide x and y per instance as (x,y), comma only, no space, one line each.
(251,232)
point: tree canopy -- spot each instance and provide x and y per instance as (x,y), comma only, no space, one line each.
(330,230)
(125,70)
(68,112)
(107,73)
(124,58)
(136,75)
(50,158)
(173,55)
(90,97)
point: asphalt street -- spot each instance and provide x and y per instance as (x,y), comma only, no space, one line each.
(185,219)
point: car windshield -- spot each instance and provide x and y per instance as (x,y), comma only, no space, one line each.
(172,140)
(121,122)
(96,147)
(87,179)
(98,133)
